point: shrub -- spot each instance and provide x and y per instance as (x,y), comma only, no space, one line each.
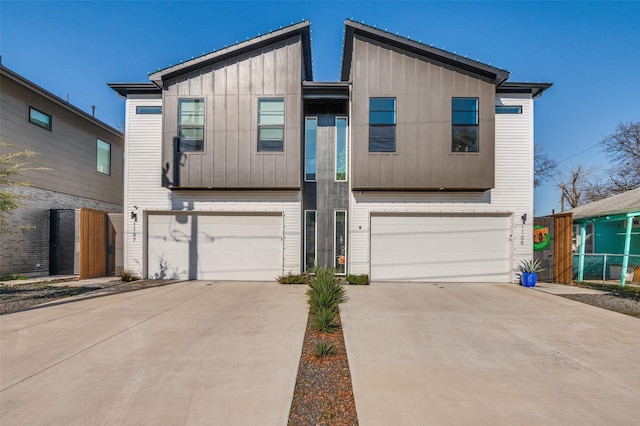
(324,320)
(11,277)
(322,349)
(325,291)
(351,279)
(127,276)
(293,278)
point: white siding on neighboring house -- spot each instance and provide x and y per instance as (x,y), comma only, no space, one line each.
(144,193)
(512,195)
(142,180)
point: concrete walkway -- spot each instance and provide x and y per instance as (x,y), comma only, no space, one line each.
(488,354)
(193,352)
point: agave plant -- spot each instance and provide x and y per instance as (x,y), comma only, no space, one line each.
(325,291)
(530,266)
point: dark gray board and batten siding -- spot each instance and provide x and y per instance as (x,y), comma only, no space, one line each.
(231,89)
(423,159)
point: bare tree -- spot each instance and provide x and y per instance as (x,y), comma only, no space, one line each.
(623,149)
(574,185)
(12,168)
(544,168)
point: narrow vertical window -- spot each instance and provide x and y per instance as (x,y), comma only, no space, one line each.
(309,239)
(271,125)
(103,157)
(464,124)
(341,149)
(191,125)
(39,118)
(310,140)
(340,231)
(382,125)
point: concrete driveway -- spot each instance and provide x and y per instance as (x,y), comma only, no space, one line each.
(187,353)
(488,354)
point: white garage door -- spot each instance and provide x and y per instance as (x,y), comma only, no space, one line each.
(214,246)
(440,248)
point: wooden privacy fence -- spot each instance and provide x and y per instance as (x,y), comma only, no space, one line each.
(563,249)
(96,232)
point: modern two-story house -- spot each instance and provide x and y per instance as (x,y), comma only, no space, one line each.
(80,161)
(416,166)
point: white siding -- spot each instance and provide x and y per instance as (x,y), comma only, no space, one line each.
(512,195)
(144,192)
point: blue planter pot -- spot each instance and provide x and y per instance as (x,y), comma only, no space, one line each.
(529,279)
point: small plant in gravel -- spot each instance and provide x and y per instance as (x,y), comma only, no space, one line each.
(293,278)
(324,321)
(322,349)
(362,279)
(127,276)
(11,277)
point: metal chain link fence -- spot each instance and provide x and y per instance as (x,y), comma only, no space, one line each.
(607,268)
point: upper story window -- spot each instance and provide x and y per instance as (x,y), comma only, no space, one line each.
(271,125)
(148,109)
(464,124)
(191,125)
(310,155)
(103,157)
(341,148)
(39,118)
(508,109)
(382,125)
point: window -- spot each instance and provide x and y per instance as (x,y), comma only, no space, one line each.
(271,125)
(341,149)
(464,124)
(191,125)
(103,157)
(309,239)
(382,125)
(340,231)
(145,109)
(39,118)
(504,109)
(310,140)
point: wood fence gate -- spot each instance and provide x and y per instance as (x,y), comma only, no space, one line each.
(97,244)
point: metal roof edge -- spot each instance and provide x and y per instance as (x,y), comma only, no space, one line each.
(440,55)
(536,89)
(302,28)
(57,100)
(125,89)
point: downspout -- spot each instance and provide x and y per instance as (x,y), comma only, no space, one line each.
(583,238)
(627,247)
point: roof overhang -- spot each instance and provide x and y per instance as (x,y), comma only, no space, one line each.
(312,90)
(535,89)
(302,29)
(6,72)
(432,54)
(614,216)
(125,89)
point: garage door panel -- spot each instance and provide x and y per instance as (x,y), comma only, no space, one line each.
(440,248)
(226,247)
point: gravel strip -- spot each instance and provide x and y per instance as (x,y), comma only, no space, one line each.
(323,394)
(616,303)
(20,297)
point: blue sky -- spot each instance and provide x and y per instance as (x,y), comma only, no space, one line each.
(590,51)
